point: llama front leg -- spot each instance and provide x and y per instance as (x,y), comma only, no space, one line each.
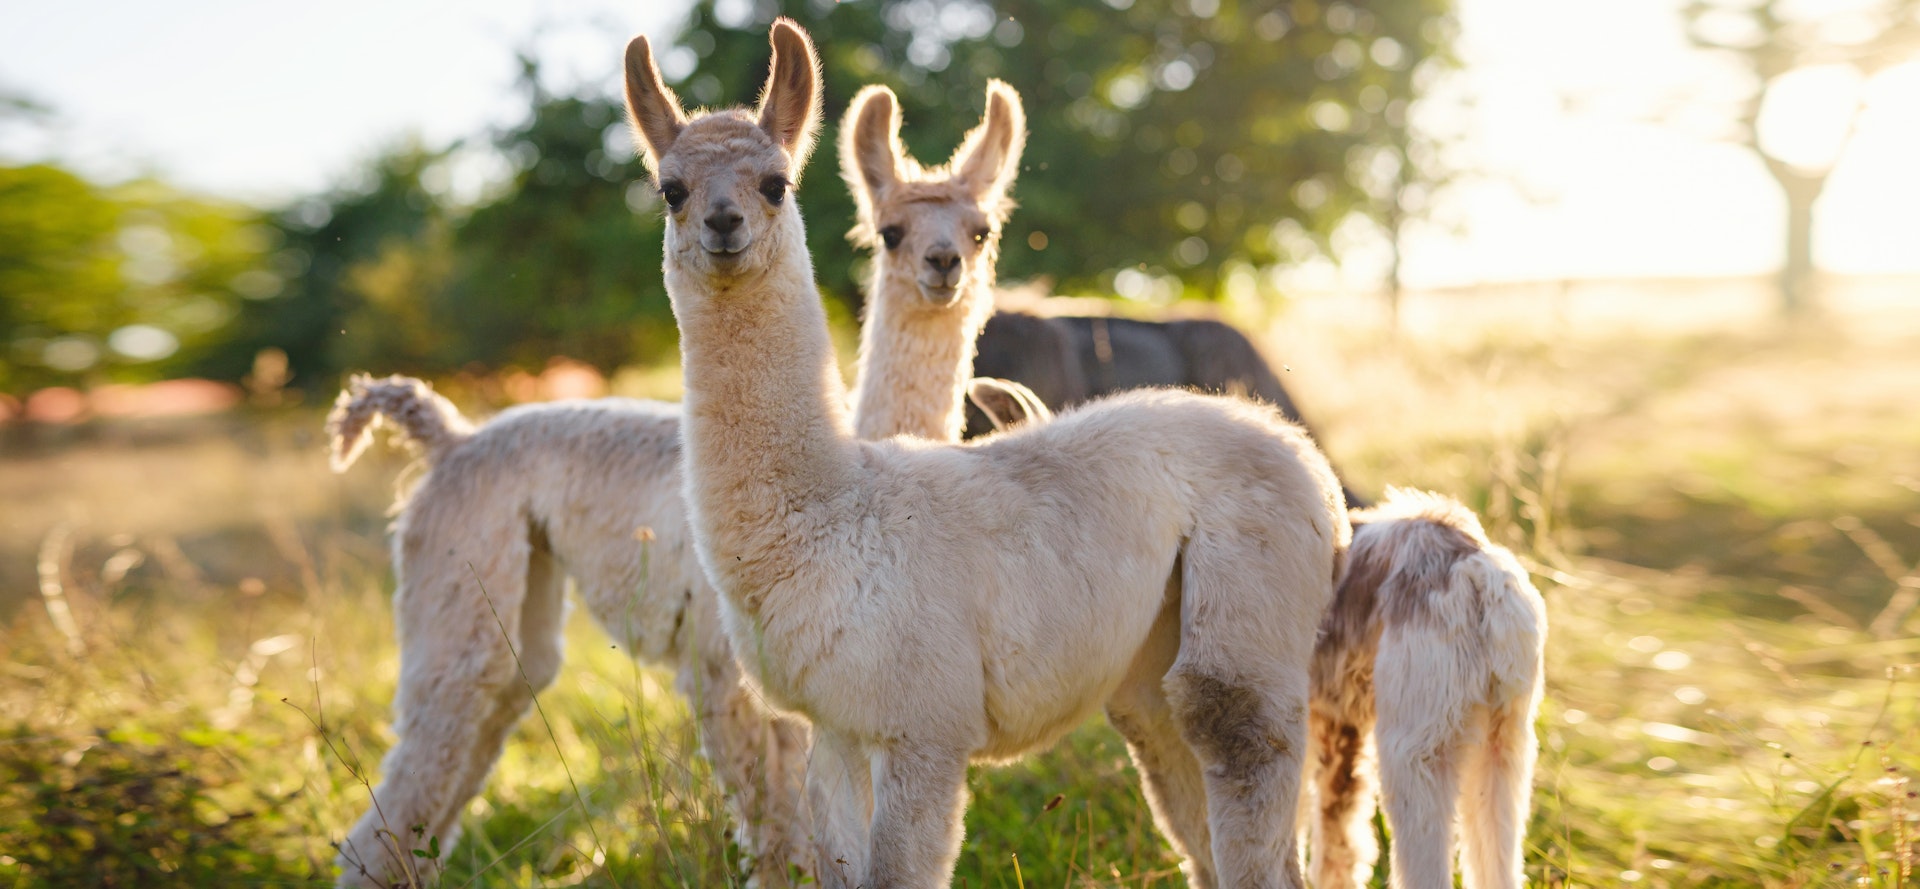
(464,683)
(919,796)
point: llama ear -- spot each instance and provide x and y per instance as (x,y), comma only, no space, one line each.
(989,157)
(790,104)
(652,108)
(870,143)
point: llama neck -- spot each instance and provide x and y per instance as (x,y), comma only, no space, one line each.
(915,361)
(766,433)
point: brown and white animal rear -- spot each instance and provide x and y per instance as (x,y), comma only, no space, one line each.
(1432,648)
(1164,555)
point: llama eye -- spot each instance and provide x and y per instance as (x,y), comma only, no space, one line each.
(674,194)
(891,236)
(773,188)
(980,237)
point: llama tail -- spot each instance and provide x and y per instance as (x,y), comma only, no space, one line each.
(420,416)
(1513,624)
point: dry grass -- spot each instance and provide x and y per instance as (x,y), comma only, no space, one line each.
(1725,526)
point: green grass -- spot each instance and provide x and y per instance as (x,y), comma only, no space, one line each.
(1719,525)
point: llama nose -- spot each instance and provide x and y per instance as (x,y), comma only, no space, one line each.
(723,220)
(943,261)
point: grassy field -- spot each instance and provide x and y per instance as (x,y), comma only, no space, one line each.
(198,654)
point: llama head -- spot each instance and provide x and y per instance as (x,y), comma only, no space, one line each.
(934,231)
(727,176)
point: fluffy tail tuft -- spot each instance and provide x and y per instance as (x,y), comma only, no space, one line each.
(419,416)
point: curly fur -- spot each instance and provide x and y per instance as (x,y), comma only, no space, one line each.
(1426,682)
(419,416)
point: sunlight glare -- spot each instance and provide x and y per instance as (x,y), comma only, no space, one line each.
(1806,115)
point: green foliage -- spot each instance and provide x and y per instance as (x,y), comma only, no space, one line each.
(323,240)
(1203,136)
(129,809)
(560,264)
(1181,139)
(391,276)
(123,283)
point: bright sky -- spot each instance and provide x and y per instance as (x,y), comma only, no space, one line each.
(264,101)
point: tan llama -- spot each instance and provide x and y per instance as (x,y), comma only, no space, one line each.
(1164,555)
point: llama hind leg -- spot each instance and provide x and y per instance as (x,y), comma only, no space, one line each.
(1169,774)
(1248,741)
(461,692)
(1496,780)
(919,798)
(1238,691)
(758,756)
(1345,784)
(840,810)
(1422,701)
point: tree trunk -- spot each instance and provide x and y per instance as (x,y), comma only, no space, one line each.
(1798,289)
(1395,287)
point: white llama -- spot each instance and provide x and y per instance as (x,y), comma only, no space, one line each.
(505,514)
(545,492)
(1163,554)
(1432,652)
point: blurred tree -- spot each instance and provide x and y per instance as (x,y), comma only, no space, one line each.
(308,305)
(560,258)
(1173,141)
(122,283)
(566,260)
(1771,41)
(1171,137)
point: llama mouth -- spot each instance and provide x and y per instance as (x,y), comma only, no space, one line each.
(940,296)
(726,249)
